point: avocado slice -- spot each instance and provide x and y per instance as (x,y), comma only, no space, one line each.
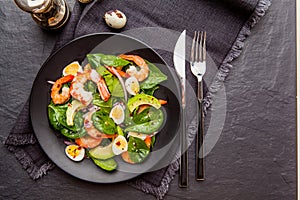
(108,165)
(73,107)
(141,99)
(102,153)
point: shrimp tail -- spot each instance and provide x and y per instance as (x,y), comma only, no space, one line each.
(103,90)
(122,74)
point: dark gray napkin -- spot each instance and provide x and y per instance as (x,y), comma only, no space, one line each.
(227,23)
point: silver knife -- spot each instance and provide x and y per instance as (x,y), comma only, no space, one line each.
(179,63)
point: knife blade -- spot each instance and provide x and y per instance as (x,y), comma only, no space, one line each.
(179,63)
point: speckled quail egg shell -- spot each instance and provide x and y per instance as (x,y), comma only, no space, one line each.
(117,114)
(115,19)
(119,145)
(75,152)
(132,85)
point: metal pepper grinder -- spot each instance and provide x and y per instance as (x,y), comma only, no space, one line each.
(49,14)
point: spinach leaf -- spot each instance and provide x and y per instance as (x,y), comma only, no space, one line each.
(142,117)
(73,134)
(113,61)
(78,121)
(153,139)
(90,86)
(53,119)
(103,122)
(100,103)
(57,118)
(150,91)
(137,150)
(96,60)
(154,78)
(149,122)
(128,119)
(116,88)
(57,115)
(103,71)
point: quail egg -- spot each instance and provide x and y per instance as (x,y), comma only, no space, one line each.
(75,152)
(117,114)
(115,19)
(72,69)
(132,85)
(119,145)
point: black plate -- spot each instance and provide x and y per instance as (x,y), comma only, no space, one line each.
(52,144)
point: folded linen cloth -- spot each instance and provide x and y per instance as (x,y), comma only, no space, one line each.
(227,23)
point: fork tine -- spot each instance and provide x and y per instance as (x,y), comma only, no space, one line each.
(203,45)
(197,57)
(193,49)
(200,47)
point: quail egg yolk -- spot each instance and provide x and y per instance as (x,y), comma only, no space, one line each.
(72,69)
(132,85)
(117,114)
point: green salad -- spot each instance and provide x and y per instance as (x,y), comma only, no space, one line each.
(107,108)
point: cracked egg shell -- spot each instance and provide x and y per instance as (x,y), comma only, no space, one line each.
(115,19)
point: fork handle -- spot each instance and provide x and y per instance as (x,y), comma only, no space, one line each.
(200,136)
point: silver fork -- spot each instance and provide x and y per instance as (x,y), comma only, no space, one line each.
(198,68)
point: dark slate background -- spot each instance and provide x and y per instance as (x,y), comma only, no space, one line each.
(255,157)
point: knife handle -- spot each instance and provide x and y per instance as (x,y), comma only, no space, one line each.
(183,171)
(199,137)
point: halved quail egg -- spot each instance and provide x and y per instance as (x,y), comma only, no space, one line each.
(115,19)
(120,145)
(117,114)
(72,69)
(132,85)
(75,152)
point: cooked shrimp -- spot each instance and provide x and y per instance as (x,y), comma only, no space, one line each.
(141,74)
(99,80)
(103,90)
(77,87)
(64,96)
(88,141)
